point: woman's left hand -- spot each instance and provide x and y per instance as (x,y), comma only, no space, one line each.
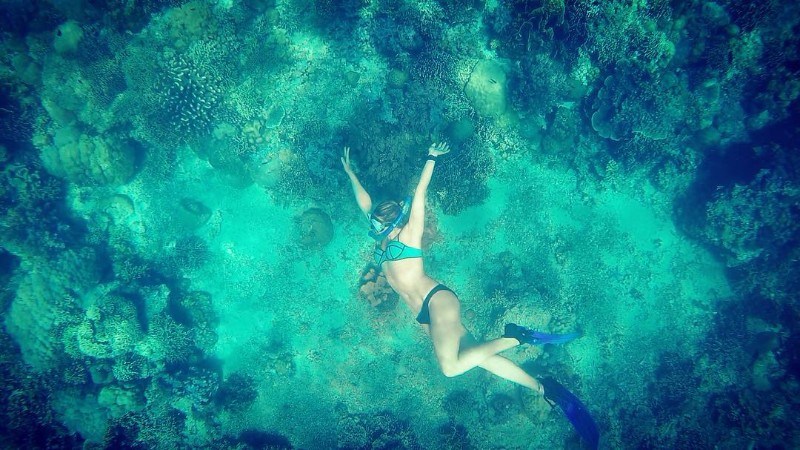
(348,169)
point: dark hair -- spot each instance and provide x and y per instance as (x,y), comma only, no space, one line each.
(387,211)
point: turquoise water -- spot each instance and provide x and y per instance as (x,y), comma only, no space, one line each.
(184,266)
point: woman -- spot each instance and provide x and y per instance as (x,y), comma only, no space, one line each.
(397,228)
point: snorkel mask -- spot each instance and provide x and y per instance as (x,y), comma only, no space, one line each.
(380,230)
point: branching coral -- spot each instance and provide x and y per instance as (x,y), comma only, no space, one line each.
(195,309)
(755,220)
(29,198)
(635,103)
(460,181)
(166,341)
(110,328)
(236,393)
(639,33)
(379,431)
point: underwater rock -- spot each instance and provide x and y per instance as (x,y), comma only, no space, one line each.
(67,37)
(193,214)
(486,89)
(315,228)
(119,208)
(119,400)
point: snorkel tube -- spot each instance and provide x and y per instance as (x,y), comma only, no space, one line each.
(380,230)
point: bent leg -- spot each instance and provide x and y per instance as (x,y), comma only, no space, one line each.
(447,333)
(505,368)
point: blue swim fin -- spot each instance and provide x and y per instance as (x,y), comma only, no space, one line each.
(576,412)
(533,337)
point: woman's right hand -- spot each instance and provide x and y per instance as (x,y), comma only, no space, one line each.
(438,149)
(346,161)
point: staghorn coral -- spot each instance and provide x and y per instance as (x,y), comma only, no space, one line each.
(378,431)
(26,416)
(460,180)
(166,341)
(29,198)
(194,387)
(636,33)
(195,310)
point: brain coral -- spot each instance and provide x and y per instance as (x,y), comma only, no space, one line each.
(46,304)
(36,320)
(486,88)
(89,159)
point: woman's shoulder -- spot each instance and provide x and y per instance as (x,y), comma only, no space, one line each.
(411,237)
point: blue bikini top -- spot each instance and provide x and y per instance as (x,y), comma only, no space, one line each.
(395,251)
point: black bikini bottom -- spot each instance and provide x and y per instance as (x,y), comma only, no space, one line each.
(424,316)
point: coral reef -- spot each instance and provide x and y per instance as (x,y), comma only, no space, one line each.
(378,431)
(755,220)
(376,290)
(655,112)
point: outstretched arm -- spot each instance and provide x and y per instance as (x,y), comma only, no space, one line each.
(416,219)
(362,197)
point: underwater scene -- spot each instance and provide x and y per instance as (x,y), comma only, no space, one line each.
(214,216)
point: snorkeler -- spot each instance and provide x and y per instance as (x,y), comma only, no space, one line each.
(397,228)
